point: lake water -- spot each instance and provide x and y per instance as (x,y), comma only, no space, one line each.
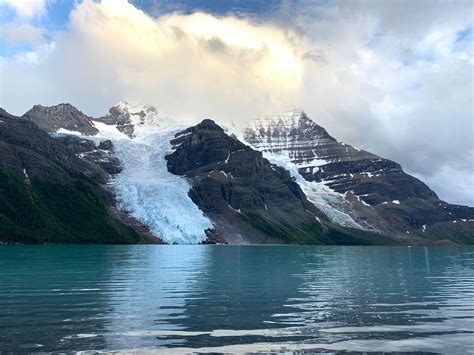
(176,299)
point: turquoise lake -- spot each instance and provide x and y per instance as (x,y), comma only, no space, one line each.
(208,298)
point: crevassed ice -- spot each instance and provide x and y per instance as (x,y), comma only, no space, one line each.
(147,191)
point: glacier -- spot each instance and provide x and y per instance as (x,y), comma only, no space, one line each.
(144,188)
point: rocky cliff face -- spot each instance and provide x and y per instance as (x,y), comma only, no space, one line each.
(382,196)
(247,198)
(62,117)
(101,155)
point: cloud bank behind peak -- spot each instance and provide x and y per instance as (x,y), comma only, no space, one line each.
(392,78)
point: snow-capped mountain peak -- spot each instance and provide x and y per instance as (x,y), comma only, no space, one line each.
(287,118)
(139,114)
(131,119)
(289,125)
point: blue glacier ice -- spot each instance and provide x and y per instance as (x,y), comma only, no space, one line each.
(146,190)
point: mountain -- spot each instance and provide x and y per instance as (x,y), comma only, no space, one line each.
(246,197)
(61,118)
(151,179)
(50,195)
(375,192)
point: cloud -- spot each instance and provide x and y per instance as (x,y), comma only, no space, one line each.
(394,78)
(21,33)
(397,80)
(190,66)
(25,8)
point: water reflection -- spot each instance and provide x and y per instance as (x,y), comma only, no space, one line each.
(248,298)
(152,286)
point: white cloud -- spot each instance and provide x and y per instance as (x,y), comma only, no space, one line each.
(189,65)
(26,8)
(397,82)
(389,77)
(19,33)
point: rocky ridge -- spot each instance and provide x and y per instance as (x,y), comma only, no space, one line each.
(61,118)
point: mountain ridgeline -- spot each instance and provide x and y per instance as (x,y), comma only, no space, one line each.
(136,176)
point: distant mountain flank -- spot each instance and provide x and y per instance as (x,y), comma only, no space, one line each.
(380,195)
(285,181)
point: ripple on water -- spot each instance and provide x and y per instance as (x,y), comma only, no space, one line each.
(236,299)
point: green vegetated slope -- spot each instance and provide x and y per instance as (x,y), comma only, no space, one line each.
(318,234)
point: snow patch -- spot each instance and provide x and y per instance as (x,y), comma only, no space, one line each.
(108,132)
(66,131)
(228,157)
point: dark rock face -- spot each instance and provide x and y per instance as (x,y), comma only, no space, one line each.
(244,195)
(64,116)
(106,145)
(382,194)
(48,194)
(120,118)
(374,180)
(246,180)
(25,146)
(86,150)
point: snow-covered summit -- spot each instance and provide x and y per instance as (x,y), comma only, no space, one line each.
(289,125)
(288,118)
(131,119)
(291,133)
(296,135)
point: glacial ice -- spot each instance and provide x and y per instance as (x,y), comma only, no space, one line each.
(145,189)
(153,195)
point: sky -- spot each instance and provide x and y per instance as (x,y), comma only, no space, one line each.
(392,77)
